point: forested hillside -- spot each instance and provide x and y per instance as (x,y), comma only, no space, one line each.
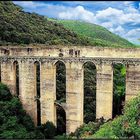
(96,34)
(19,27)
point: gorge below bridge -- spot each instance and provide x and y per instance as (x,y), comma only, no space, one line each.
(74,57)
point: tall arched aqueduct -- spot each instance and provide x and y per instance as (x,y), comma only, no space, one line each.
(74,58)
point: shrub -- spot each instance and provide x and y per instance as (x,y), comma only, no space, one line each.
(131,119)
(125,126)
(105,132)
(14,122)
(86,130)
(5,94)
(48,129)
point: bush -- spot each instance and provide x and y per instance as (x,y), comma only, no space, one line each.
(48,129)
(105,132)
(86,130)
(63,137)
(5,94)
(14,122)
(125,126)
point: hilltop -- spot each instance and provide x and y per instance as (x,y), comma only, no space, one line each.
(96,34)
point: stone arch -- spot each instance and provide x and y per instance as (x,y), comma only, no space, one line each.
(119,87)
(37,90)
(60,95)
(88,61)
(89,69)
(16,76)
(118,62)
(61,122)
(60,65)
(57,61)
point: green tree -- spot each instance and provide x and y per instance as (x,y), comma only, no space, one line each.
(14,122)
(48,129)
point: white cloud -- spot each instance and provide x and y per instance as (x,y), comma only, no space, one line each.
(117,17)
(109,12)
(29,4)
(107,24)
(131,9)
(128,3)
(133,33)
(77,13)
(130,17)
(118,30)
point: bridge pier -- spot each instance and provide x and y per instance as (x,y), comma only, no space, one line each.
(48,92)
(104,91)
(27,88)
(8,75)
(132,81)
(74,96)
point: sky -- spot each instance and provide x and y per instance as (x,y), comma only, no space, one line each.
(119,17)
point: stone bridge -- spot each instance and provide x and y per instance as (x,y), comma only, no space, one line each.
(74,57)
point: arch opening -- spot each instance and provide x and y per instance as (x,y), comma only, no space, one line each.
(60,96)
(61,120)
(37,93)
(89,92)
(16,76)
(119,80)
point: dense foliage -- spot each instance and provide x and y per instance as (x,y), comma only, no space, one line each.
(124,126)
(97,35)
(14,122)
(19,27)
(119,76)
(48,129)
(89,92)
(61,81)
(87,129)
